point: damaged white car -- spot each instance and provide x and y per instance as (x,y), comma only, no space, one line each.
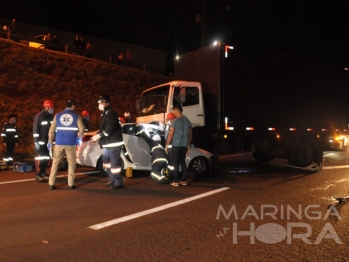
(136,153)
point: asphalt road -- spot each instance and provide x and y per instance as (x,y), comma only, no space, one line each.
(249,212)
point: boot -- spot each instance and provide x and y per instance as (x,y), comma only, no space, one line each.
(39,178)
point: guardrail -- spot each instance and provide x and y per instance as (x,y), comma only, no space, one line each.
(74,51)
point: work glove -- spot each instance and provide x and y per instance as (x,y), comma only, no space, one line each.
(78,141)
(37,146)
(49,145)
(96,137)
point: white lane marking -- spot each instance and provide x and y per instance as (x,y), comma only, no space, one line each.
(26,180)
(328,154)
(334,167)
(234,155)
(156,209)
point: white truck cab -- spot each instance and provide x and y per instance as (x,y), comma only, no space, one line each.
(157,101)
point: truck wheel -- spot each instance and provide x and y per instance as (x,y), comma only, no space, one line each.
(103,171)
(199,165)
(304,155)
(263,157)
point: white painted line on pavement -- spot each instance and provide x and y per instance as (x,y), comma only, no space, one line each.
(334,167)
(26,180)
(328,154)
(156,209)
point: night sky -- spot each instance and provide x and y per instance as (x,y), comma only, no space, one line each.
(317,29)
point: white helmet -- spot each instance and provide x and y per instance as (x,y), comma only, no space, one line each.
(156,138)
(127,114)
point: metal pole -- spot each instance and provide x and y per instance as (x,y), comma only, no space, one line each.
(203,23)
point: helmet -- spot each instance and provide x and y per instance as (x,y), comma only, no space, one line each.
(127,114)
(122,119)
(104,98)
(156,138)
(170,116)
(85,113)
(48,103)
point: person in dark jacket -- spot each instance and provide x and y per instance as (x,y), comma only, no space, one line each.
(159,158)
(41,127)
(110,139)
(9,138)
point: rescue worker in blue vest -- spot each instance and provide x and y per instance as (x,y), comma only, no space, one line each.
(68,126)
(159,158)
(41,126)
(9,139)
(110,139)
(85,119)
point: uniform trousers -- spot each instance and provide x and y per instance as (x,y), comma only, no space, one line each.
(9,152)
(42,158)
(111,161)
(58,155)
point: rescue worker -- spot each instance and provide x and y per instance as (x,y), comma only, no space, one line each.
(9,139)
(85,119)
(41,126)
(68,126)
(169,117)
(122,120)
(158,156)
(110,139)
(127,116)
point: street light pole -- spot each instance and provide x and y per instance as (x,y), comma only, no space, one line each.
(201,18)
(203,23)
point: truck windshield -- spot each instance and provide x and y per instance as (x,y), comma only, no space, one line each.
(154,101)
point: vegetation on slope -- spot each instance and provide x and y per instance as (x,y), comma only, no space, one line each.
(29,76)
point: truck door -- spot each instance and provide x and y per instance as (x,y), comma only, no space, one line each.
(190,98)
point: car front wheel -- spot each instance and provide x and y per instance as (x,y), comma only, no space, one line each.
(199,165)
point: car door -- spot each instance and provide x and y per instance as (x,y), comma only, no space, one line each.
(136,147)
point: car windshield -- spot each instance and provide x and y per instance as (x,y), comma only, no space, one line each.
(154,101)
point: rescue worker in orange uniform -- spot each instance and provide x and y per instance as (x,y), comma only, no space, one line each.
(41,126)
(127,116)
(85,119)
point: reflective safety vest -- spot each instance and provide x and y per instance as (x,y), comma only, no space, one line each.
(41,127)
(66,127)
(9,133)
